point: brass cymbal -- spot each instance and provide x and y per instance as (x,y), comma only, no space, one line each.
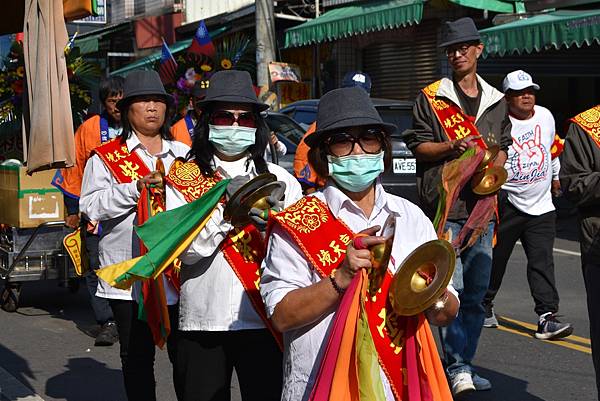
(490,154)
(235,201)
(380,255)
(257,199)
(489,180)
(422,277)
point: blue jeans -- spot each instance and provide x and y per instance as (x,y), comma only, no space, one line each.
(471,278)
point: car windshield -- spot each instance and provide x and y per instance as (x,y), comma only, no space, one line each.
(401,118)
(305,116)
(286,127)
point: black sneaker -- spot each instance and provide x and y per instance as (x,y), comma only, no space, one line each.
(490,317)
(108,335)
(550,328)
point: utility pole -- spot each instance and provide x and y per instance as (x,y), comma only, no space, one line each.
(265,40)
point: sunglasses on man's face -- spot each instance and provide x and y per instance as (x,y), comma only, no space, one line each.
(227,118)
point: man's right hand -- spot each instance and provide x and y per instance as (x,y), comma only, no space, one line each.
(235,184)
(72,221)
(459,146)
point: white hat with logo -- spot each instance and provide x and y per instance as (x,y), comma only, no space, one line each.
(518,80)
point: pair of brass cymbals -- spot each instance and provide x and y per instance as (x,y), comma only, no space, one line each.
(488,179)
(253,194)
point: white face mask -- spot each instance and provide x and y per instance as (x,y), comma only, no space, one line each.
(355,173)
(231,140)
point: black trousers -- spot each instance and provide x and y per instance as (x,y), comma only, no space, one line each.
(206,360)
(537,236)
(137,350)
(591,278)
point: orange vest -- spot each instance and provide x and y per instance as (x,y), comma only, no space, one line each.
(87,138)
(303,171)
(180,132)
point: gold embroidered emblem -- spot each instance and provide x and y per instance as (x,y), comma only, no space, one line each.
(431,90)
(304,216)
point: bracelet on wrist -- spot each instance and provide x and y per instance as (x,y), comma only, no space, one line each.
(335,285)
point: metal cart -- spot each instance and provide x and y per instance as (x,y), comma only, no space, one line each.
(32,254)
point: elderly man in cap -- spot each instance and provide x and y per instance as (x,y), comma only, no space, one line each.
(184,128)
(450,116)
(580,180)
(525,207)
(119,180)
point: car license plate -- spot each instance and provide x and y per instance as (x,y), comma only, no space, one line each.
(405,166)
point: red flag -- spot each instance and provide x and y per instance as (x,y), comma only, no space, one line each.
(202,43)
(168,66)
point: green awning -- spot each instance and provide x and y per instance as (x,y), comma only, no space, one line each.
(148,61)
(355,20)
(87,45)
(499,6)
(544,31)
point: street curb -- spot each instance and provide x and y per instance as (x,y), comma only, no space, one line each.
(12,389)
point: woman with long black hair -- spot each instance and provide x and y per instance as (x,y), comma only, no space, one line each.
(222,319)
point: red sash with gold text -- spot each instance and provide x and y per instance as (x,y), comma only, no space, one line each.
(589,121)
(454,122)
(127,167)
(325,252)
(242,248)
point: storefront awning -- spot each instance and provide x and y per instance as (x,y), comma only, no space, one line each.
(146,62)
(499,6)
(545,31)
(355,20)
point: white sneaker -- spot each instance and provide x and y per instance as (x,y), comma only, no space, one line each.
(462,383)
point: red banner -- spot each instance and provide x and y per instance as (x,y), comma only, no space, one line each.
(455,123)
(589,121)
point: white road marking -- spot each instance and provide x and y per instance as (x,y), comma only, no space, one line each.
(558,250)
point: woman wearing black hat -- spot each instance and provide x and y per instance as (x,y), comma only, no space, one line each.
(311,257)
(222,321)
(114,179)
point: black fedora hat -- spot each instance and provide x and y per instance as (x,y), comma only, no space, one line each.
(143,83)
(460,31)
(231,86)
(345,108)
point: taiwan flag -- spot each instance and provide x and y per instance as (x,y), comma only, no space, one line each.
(201,43)
(168,66)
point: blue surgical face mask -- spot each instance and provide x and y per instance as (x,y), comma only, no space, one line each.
(231,140)
(355,173)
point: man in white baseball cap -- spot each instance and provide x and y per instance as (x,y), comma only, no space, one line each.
(518,80)
(525,205)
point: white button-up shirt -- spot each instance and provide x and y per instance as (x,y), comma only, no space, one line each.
(286,269)
(115,206)
(212,297)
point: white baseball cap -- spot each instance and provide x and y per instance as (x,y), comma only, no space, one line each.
(518,80)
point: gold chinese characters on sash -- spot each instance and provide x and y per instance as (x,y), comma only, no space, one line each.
(323,240)
(589,121)
(242,248)
(454,122)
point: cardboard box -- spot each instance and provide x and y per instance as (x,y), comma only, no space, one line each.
(27,201)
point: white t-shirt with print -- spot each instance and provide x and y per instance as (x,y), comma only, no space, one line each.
(529,165)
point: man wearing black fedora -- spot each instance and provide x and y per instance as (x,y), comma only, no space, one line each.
(450,116)
(118,182)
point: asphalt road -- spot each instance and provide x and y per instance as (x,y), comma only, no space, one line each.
(46,346)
